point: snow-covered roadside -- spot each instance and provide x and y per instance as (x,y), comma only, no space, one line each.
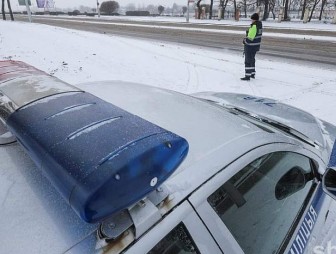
(77,57)
(80,57)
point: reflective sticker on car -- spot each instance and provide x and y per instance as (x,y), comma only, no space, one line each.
(307,225)
(260,100)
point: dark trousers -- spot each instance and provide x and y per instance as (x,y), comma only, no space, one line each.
(250,53)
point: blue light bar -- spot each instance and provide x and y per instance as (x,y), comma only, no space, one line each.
(101,158)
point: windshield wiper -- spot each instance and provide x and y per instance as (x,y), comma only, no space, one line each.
(275,124)
(285,128)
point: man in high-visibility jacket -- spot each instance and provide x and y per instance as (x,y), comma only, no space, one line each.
(252,46)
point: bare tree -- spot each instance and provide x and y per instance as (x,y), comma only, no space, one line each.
(3,10)
(266,4)
(9,9)
(224,7)
(184,9)
(286,9)
(109,7)
(304,6)
(160,9)
(235,9)
(313,9)
(324,3)
(244,4)
(272,5)
(210,10)
(199,8)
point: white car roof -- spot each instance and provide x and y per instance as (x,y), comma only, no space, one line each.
(205,126)
(215,136)
(35,217)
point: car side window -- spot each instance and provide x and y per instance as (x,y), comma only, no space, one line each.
(261,202)
(178,241)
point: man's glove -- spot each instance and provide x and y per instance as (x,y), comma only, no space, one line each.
(244,41)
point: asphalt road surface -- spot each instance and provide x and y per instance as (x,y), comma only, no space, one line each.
(312,51)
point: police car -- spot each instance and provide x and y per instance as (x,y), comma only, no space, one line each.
(115,167)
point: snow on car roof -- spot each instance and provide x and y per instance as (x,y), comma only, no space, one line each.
(30,205)
(204,126)
(214,135)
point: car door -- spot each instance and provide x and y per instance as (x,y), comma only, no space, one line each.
(181,232)
(267,201)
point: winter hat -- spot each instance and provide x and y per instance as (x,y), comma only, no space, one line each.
(255,16)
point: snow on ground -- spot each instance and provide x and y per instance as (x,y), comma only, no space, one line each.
(77,57)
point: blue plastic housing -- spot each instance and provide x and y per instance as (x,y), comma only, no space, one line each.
(101,158)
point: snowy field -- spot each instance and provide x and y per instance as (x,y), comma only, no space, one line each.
(77,57)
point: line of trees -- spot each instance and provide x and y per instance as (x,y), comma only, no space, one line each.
(266,7)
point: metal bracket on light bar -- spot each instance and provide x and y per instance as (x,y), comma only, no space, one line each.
(6,108)
(142,216)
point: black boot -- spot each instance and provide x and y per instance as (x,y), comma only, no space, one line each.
(245,78)
(253,76)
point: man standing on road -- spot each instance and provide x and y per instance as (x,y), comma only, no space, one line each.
(252,46)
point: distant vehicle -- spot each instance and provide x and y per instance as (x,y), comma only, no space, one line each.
(74,13)
(156,171)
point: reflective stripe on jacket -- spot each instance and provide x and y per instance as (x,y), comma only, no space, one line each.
(253,35)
